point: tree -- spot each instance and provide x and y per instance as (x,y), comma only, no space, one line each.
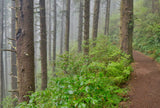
(43,44)
(86,26)
(49,32)
(13,55)
(80,26)
(62,29)
(25,50)
(95,20)
(66,43)
(107,19)
(155,6)
(126,26)
(54,35)
(1,52)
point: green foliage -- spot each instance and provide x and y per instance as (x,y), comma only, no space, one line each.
(91,83)
(147,32)
(8,102)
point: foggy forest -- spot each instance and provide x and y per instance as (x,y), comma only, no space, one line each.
(79,53)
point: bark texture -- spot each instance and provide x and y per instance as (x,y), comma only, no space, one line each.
(95,20)
(107,18)
(67,33)
(49,33)
(126,26)
(1,52)
(54,35)
(62,30)
(86,26)
(25,50)
(43,45)
(13,55)
(80,26)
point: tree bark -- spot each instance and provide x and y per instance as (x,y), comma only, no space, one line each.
(54,35)
(155,6)
(1,53)
(62,30)
(25,50)
(80,34)
(67,33)
(13,55)
(50,24)
(86,27)
(43,45)
(95,20)
(126,26)
(107,18)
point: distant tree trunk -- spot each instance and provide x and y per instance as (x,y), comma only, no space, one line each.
(95,20)
(54,35)
(126,28)
(66,43)
(1,53)
(43,45)
(13,55)
(25,50)
(62,30)
(107,19)
(6,53)
(155,6)
(86,26)
(80,32)
(50,24)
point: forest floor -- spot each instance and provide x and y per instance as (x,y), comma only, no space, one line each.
(145,82)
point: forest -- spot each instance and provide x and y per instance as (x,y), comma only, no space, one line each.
(79,53)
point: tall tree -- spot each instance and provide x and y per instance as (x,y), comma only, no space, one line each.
(1,52)
(126,26)
(13,55)
(43,45)
(62,28)
(49,32)
(80,32)
(95,20)
(155,6)
(107,18)
(54,35)
(67,33)
(86,26)
(25,49)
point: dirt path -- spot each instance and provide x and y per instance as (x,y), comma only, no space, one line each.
(145,83)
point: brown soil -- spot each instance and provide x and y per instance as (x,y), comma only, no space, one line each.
(145,83)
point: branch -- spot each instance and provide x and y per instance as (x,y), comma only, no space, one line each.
(12,39)
(14,90)
(8,50)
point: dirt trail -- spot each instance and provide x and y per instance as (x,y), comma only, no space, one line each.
(145,83)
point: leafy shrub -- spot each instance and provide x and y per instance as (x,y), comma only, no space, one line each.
(92,84)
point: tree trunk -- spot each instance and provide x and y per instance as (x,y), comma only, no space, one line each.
(126,28)
(95,20)
(43,45)
(80,26)
(62,30)
(13,55)
(86,27)
(50,24)
(66,43)
(25,50)
(107,19)
(1,53)
(155,6)
(54,35)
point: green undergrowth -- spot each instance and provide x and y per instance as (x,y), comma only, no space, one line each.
(147,31)
(86,82)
